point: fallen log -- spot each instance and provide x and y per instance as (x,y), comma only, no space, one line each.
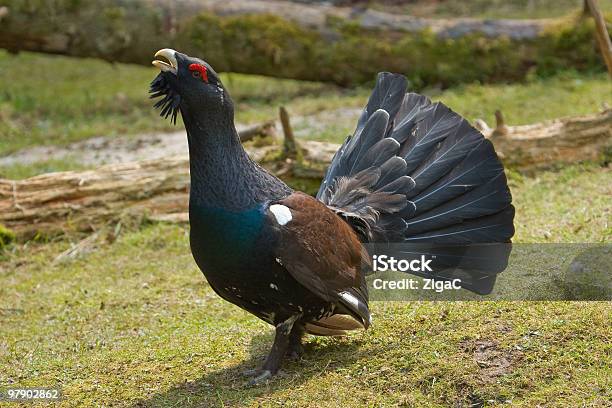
(341,45)
(565,140)
(158,189)
(56,202)
(263,130)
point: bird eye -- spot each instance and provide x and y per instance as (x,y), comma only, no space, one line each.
(199,71)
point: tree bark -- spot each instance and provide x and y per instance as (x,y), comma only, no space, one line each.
(601,33)
(566,140)
(158,189)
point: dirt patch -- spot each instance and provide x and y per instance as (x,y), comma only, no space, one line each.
(124,149)
(105,150)
(492,360)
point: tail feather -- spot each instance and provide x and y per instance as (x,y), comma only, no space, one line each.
(434,123)
(453,149)
(402,184)
(412,105)
(388,94)
(488,229)
(359,149)
(417,172)
(478,166)
(391,170)
(486,199)
(414,168)
(378,154)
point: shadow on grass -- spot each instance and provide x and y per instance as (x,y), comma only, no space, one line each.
(228,386)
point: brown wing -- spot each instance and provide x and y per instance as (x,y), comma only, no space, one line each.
(321,251)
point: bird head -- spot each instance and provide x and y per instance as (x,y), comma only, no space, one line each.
(186,83)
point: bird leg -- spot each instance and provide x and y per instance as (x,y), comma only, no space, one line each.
(295,342)
(279,349)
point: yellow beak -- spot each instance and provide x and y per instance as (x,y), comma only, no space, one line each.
(168,54)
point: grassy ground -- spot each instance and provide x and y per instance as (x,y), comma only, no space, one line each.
(72,99)
(22,171)
(572,205)
(133,323)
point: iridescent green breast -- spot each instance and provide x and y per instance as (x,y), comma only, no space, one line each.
(223,237)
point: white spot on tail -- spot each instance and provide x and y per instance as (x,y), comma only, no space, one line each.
(273,286)
(355,303)
(349,298)
(281,213)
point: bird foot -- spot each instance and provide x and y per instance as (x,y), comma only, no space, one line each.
(251,373)
(295,352)
(259,376)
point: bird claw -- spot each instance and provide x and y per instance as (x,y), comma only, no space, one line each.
(295,353)
(259,376)
(251,373)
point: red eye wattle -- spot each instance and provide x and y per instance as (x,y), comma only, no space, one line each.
(201,69)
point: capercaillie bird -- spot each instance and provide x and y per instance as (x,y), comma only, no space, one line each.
(413,171)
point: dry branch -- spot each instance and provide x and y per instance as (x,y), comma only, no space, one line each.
(601,33)
(290,147)
(263,130)
(158,189)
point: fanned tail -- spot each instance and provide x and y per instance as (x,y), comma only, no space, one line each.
(417,172)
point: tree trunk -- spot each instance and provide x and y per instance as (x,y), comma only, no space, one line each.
(158,189)
(601,33)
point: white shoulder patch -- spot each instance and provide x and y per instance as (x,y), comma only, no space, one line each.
(281,213)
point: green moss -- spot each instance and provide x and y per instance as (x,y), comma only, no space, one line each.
(6,236)
(270,45)
(307,185)
(570,42)
(258,44)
